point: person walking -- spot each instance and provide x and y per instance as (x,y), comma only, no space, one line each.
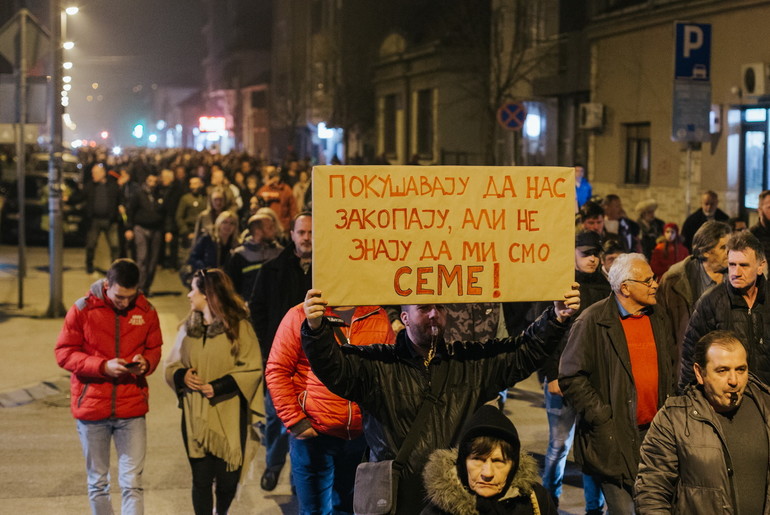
(215,370)
(110,342)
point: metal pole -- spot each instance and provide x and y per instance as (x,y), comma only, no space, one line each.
(688,190)
(21,156)
(55,229)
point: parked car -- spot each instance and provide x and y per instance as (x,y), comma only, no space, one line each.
(36,202)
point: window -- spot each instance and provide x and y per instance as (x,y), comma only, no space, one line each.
(637,153)
(754,132)
(425,123)
(258,100)
(389,125)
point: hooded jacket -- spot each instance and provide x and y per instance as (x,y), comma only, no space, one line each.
(93,333)
(300,398)
(686,467)
(447,495)
(446,478)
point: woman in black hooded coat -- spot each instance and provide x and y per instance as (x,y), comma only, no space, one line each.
(487,473)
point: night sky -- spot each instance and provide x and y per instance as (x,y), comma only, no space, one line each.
(126,46)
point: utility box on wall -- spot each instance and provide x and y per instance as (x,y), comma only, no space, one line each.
(591,115)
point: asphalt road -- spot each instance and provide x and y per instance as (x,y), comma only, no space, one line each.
(41,465)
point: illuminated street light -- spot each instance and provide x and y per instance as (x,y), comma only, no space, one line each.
(153,138)
(71,10)
(104,134)
(67,65)
(68,45)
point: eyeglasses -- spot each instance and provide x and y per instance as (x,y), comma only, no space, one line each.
(647,282)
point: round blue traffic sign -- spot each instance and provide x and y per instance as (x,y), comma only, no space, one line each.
(511,116)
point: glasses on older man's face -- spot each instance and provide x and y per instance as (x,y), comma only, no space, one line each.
(647,282)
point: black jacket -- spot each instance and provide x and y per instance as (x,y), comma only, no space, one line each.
(593,288)
(693,222)
(282,284)
(146,209)
(723,307)
(106,206)
(389,383)
(595,377)
(448,496)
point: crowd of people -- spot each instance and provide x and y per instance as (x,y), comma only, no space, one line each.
(644,362)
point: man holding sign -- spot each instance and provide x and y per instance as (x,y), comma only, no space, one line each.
(389,382)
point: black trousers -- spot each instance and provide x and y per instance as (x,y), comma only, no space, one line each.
(212,470)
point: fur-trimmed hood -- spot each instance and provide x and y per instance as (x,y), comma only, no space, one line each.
(446,492)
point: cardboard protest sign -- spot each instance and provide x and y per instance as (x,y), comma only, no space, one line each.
(440,234)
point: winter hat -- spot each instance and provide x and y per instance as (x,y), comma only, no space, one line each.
(488,421)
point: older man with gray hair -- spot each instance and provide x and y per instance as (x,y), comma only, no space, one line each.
(617,370)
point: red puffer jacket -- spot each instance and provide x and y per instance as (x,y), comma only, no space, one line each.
(94,333)
(298,394)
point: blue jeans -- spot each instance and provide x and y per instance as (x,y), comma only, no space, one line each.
(561,432)
(324,472)
(276,438)
(130,435)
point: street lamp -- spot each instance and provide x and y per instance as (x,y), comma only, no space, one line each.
(56,112)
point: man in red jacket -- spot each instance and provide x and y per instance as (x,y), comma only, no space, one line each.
(110,341)
(326,440)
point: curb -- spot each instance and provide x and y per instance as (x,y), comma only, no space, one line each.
(58,385)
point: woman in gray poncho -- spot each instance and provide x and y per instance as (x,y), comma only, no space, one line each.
(215,369)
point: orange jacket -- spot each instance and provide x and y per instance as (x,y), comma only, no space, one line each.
(298,395)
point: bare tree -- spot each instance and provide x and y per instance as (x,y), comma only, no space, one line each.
(506,40)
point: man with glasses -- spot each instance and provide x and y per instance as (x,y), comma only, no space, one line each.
(617,370)
(110,341)
(741,304)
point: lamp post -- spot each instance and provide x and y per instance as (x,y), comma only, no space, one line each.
(56,111)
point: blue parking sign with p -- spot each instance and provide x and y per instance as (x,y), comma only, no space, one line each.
(693,51)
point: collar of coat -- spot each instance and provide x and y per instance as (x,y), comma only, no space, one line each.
(97,293)
(194,326)
(736,298)
(693,397)
(445,490)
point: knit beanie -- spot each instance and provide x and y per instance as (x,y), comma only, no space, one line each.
(488,421)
